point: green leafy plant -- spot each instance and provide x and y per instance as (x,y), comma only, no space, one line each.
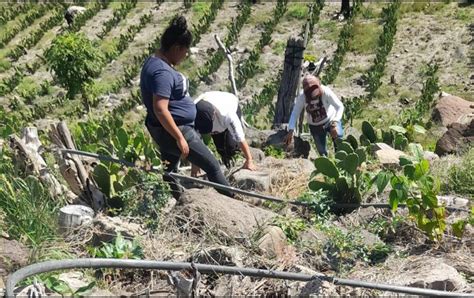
(74,60)
(319,203)
(29,209)
(121,249)
(344,178)
(59,286)
(290,226)
(274,152)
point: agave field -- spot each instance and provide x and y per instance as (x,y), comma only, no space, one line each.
(387,61)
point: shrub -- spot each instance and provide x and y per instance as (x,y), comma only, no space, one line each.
(75,61)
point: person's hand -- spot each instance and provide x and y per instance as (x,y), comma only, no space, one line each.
(195,170)
(183,147)
(249,165)
(288,138)
(333,129)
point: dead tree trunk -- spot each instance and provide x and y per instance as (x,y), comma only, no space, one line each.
(289,82)
(27,152)
(73,170)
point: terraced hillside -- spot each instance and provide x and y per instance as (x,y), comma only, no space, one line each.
(388,62)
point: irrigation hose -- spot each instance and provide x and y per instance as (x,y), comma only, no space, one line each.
(48,266)
(231,188)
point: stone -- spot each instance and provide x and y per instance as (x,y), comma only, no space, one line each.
(458,137)
(257,154)
(251,180)
(389,157)
(312,236)
(380,146)
(106,228)
(452,109)
(256,138)
(273,243)
(206,209)
(430,156)
(453,201)
(220,255)
(430,273)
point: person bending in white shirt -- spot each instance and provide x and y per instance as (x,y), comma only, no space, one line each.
(218,114)
(324,112)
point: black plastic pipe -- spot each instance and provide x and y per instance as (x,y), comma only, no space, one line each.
(233,189)
(48,266)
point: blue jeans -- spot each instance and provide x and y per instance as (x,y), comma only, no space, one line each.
(199,155)
(320,133)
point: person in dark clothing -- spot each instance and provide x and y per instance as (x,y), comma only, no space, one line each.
(171,111)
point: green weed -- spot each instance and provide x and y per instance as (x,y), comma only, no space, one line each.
(298,11)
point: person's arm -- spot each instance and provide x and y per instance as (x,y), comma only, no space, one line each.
(160,108)
(244,146)
(295,115)
(237,132)
(162,85)
(336,102)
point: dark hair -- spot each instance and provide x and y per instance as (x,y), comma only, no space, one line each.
(204,117)
(176,33)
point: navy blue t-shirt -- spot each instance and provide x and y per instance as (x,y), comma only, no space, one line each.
(158,78)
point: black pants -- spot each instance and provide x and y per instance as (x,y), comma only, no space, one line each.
(199,155)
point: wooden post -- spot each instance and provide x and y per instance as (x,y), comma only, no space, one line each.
(289,82)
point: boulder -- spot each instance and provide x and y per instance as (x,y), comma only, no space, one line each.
(430,156)
(430,273)
(206,209)
(457,138)
(106,228)
(256,138)
(452,109)
(389,156)
(251,180)
(273,243)
(257,154)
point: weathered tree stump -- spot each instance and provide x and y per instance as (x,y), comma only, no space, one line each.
(73,170)
(289,82)
(27,153)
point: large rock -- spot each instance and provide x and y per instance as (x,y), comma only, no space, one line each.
(271,172)
(457,138)
(452,109)
(256,138)
(251,180)
(106,228)
(206,209)
(430,273)
(273,243)
(257,154)
(389,156)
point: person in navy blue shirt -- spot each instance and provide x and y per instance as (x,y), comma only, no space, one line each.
(171,111)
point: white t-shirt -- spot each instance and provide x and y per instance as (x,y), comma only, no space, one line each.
(318,112)
(226,113)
